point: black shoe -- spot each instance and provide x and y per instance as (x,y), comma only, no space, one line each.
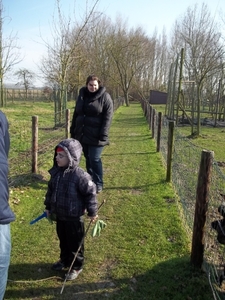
(219,226)
(58,266)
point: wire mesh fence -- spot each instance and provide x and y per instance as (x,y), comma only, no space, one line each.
(50,133)
(185,169)
(21,151)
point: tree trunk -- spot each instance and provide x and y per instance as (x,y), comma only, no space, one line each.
(198,110)
(126,96)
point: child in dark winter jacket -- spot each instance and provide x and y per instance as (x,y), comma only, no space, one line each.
(70,193)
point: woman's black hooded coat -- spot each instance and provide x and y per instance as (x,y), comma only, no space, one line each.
(92,117)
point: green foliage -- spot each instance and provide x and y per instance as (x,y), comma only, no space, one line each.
(142,253)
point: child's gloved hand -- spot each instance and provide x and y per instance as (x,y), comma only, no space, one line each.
(99,225)
(51,217)
(93,219)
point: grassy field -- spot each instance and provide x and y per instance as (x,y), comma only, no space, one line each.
(210,138)
(143,253)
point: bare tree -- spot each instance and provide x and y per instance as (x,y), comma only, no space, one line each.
(67,37)
(123,58)
(9,54)
(197,33)
(95,47)
(26,79)
(161,64)
(126,60)
(130,53)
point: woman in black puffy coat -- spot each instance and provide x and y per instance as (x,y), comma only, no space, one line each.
(90,125)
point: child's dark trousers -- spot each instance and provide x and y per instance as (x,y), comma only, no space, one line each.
(70,234)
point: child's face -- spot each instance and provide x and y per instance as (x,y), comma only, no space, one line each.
(62,159)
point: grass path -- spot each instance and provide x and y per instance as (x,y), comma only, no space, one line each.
(144,252)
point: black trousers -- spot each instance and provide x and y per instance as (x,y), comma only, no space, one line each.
(70,234)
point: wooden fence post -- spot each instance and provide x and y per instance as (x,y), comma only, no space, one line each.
(150,117)
(159,131)
(153,122)
(201,207)
(170,151)
(67,123)
(34,143)
(145,108)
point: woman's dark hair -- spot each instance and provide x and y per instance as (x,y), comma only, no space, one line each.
(93,77)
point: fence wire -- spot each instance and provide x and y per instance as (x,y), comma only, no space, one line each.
(50,133)
(186,159)
(21,151)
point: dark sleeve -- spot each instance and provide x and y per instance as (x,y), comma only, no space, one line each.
(107,117)
(6,214)
(48,194)
(88,190)
(73,124)
(7,140)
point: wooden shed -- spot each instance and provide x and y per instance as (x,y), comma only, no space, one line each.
(157,97)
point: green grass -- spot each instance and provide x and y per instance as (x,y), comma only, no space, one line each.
(210,138)
(20,121)
(143,253)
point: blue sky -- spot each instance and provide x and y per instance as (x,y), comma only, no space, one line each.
(30,19)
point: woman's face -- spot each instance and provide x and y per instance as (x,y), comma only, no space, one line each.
(93,86)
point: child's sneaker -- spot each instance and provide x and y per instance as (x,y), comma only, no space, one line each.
(99,189)
(73,274)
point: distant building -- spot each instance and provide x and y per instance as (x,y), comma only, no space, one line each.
(157,97)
